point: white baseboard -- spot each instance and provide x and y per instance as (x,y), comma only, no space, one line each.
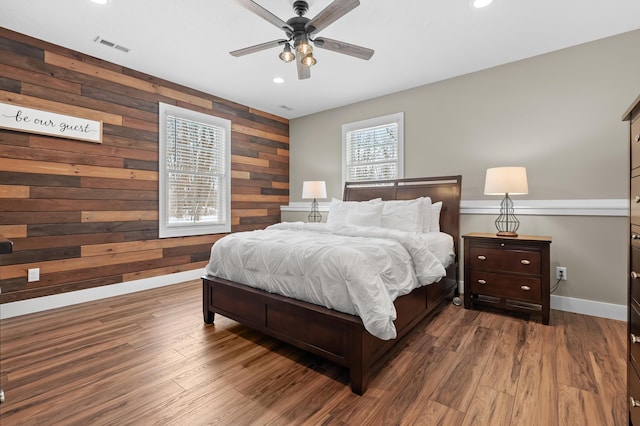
(589,307)
(38,304)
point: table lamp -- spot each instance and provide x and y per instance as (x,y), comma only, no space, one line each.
(506,181)
(314,189)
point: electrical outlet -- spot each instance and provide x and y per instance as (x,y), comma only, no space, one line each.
(561,273)
(34,275)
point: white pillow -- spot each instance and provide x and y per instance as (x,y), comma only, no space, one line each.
(371,218)
(435,217)
(338,209)
(403,215)
(426,214)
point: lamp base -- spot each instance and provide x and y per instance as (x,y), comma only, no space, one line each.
(315,215)
(507,223)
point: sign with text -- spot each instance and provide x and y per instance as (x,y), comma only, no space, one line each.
(16,117)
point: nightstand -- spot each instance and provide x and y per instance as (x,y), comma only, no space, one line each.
(510,273)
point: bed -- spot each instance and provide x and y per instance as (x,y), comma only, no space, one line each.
(340,337)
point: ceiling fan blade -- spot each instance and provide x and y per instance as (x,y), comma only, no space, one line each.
(343,47)
(330,14)
(265,14)
(304,71)
(257,47)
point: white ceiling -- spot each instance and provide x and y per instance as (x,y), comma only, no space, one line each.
(415,41)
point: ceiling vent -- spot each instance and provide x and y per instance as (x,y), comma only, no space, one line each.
(111,44)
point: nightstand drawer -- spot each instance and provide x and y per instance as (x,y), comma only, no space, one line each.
(497,259)
(506,286)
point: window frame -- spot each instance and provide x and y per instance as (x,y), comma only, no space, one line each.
(164,229)
(397,118)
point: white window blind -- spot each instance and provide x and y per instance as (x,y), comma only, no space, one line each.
(373,149)
(195,175)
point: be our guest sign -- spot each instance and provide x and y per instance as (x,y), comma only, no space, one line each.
(16,117)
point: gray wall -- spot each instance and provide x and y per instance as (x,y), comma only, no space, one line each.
(558,114)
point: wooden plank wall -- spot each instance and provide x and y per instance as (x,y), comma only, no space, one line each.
(86,214)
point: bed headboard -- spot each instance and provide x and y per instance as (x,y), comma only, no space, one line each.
(440,188)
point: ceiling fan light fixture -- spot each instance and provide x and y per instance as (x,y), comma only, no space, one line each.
(300,32)
(309,60)
(287,55)
(304,48)
(302,45)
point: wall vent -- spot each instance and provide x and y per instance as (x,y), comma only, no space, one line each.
(111,44)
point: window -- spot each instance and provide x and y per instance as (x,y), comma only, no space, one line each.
(195,173)
(373,149)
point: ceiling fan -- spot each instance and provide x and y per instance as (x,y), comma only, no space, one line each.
(300,32)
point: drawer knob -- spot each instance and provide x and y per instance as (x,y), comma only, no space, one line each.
(483,282)
(525,287)
(635,236)
(634,338)
(634,275)
(638,137)
(525,262)
(481,257)
(634,402)
(637,198)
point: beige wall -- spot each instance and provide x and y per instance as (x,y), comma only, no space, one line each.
(557,114)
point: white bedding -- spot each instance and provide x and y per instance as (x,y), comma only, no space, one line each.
(352,269)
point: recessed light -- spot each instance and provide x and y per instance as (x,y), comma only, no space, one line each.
(278,80)
(480,3)
(100,1)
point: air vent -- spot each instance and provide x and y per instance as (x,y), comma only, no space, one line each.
(112,44)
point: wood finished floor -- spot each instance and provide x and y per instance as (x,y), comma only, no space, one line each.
(148,359)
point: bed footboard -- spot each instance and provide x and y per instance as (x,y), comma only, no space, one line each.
(338,337)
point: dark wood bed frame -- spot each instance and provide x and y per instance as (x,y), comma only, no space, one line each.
(336,336)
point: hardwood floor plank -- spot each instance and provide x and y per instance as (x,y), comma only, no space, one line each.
(489,407)
(434,413)
(148,358)
(458,388)
(574,368)
(309,387)
(537,393)
(577,406)
(610,372)
(451,337)
(503,366)
(323,415)
(108,411)
(225,406)
(614,333)
(541,338)
(402,380)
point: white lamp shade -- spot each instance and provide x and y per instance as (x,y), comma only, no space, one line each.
(314,189)
(506,180)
